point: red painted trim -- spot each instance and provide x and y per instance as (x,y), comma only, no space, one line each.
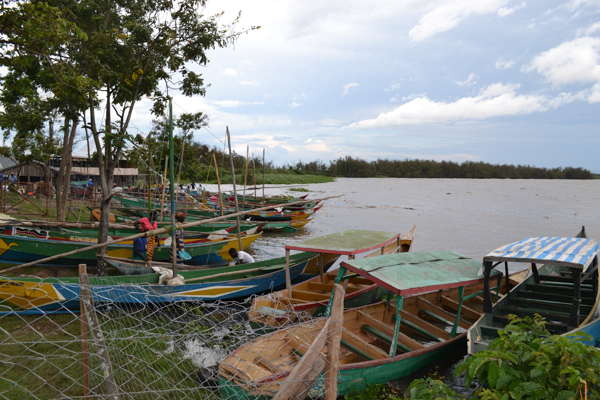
(411,291)
(347,253)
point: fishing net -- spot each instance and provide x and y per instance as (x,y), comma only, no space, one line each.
(154,350)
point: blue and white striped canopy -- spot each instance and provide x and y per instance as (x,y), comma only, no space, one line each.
(569,252)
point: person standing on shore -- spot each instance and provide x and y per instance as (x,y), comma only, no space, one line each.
(179,242)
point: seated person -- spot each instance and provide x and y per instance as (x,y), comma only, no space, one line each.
(240,257)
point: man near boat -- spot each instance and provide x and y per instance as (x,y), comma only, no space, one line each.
(149,225)
(240,257)
(140,246)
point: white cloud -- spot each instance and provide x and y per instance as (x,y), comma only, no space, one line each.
(316,145)
(348,87)
(449,14)
(471,80)
(396,98)
(576,61)
(592,29)
(493,101)
(236,103)
(293,104)
(504,64)
(395,86)
(504,11)
(249,83)
(230,72)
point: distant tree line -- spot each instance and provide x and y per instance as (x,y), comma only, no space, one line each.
(350,167)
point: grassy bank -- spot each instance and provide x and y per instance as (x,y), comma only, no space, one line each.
(278,179)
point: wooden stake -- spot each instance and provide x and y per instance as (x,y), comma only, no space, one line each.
(218,183)
(333,343)
(288,281)
(85,293)
(246,174)
(84,343)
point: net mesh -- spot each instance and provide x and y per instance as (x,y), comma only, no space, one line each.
(156,350)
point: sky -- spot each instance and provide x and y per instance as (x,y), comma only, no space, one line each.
(499,81)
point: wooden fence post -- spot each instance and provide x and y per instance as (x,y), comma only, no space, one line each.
(311,365)
(85,294)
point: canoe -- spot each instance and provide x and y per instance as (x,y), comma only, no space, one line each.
(437,300)
(23,245)
(52,295)
(309,298)
(564,290)
(282,215)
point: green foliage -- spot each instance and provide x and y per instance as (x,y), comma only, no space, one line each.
(526,362)
(430,389)
(299,190)
(357,168)
(374,392)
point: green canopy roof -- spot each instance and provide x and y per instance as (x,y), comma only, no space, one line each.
(419,272)
(349,243)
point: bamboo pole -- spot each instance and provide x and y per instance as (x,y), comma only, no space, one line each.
(172,188)
(254,173)
(264,167)
(237,208)
(164,189)
(219,184)
(246,174)
(88,301)
(149,174)
(156,232)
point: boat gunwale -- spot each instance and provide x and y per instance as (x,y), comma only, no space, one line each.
(346,252)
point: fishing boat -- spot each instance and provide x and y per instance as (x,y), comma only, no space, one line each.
(309,298)
(437,300)
(56,295)
(23,245)
(564,290)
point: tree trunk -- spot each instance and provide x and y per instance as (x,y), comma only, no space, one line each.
(106,180)
(63,180)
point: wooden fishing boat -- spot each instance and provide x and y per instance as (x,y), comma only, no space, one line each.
(379,342)
(309,298)
(28,245)
(52,295)
(281,215)
(564,290)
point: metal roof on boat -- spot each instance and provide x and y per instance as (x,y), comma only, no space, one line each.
(569,252)
(350,242)
(419,272)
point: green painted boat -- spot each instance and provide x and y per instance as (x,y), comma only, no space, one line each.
(564,290)
(23,245)
(309,299)
(437,300)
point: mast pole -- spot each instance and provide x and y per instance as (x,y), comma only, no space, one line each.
(237,209)
(264,167)
(246,174)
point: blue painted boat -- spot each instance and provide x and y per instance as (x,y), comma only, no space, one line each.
(39,296)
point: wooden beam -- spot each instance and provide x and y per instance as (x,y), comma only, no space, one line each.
(469,312)
(388,330)
(424,325)
(423,304)
(362,345)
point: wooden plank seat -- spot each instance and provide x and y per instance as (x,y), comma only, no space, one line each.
(555,289)
(387,330)
(422,327)
(439,313)
(310,296)
(588,301)
(564,279)
(380,335)
(551,326)
(549,316)
(360,346)
(465,310)
(547,305)
(328,287)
